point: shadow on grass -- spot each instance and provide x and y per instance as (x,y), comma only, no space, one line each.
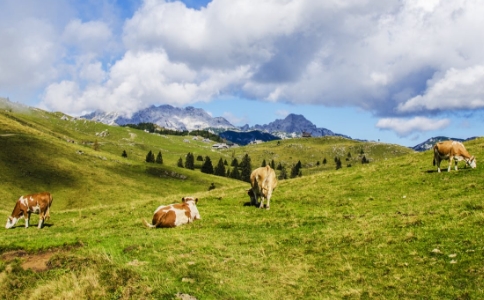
(26,156)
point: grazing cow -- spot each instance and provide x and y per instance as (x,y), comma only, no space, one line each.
(35,203)
(451,150)
(263,182)
(174,215)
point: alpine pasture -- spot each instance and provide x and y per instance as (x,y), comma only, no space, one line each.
(393,228)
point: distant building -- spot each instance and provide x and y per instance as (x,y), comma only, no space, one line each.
(306,134)
(220,146)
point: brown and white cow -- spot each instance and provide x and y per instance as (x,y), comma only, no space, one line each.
(35,203)
(263,182)
(174,215)
(452,150)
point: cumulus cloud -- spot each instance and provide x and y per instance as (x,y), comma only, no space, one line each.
(394,58)
(405,127)
(27,57)
(457,90)
(90,37)
(138,80)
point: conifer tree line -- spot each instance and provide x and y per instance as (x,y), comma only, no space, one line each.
(153,128)
(242,170)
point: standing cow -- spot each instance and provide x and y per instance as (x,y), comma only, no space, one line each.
(35,203)
(174,215)
(263,182)
(452,150)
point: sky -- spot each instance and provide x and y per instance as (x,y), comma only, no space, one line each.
(395,71)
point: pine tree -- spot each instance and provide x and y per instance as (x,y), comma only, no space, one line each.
(338,163)
(295,170)
(159,158)
(235,174)
(279,167)
(283,174)
(150,157)
(235,163)
(199,158)
(263,163)
(324,161)
(245,168)
(190,161)
(180,163)
(124,154)
(220,168)
(207,166)
(273,164)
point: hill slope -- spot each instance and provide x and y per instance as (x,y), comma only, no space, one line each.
(390,229)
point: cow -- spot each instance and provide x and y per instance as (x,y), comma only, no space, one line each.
(34,203)
(173,215)
(263,182)
(452,150)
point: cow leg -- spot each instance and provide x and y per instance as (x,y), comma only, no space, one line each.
(27,220)
(41,220)
(261,205)
(269,195)
(450,163)
(437,162)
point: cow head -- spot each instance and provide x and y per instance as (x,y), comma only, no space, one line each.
(472,162)
(253,196)
(192,204)
(11,221)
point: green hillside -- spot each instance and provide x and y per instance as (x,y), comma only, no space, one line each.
(390,229)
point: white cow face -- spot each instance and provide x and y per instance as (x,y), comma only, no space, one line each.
(11,221)
(472,162)
(192,204)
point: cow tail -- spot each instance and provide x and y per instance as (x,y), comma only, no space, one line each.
(148,224)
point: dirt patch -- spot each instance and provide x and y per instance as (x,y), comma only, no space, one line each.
(37,262)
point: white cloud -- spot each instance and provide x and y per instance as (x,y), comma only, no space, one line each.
(389,57)
(138,80)
(92,72)
(92,36)
(27,56)
(405,127)
(457,89)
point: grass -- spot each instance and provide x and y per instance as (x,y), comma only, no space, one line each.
(394,228)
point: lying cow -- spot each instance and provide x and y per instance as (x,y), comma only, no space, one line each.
(263,182)
(174,215)
(451,150)
(35,203)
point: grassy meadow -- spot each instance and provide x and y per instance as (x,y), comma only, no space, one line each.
(390,229)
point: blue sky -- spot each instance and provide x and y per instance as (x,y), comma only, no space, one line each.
(398,71)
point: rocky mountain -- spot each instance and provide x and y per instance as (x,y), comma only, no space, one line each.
(292,126)
(166,116)
(191,118)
